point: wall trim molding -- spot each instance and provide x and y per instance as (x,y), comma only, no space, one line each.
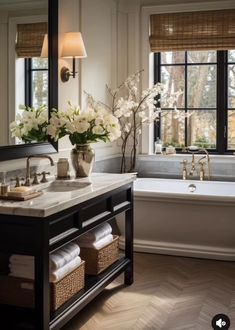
(184,250)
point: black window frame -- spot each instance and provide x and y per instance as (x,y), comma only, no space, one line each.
(221,101)
(28,76)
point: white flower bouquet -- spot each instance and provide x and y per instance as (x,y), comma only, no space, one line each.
(84,127)
(31,124)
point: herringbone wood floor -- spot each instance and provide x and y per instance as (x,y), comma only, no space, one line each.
(169,293)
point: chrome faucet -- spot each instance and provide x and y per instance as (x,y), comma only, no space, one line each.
(27,179)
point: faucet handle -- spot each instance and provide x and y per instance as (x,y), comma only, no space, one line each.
(44,179)
(35,178)
(17,180)
(184,162)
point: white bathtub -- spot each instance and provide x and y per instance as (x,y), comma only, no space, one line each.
(187,218)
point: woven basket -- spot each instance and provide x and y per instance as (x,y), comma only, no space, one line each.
(97,260)
(67,287)
(19,291)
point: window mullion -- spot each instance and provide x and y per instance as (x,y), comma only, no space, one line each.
(186,100)
(157,78)
(221,102)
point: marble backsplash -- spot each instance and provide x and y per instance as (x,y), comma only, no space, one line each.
(159,166)
(111,165)
(222,167)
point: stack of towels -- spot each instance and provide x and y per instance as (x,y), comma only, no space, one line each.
(62,262)
(97,237)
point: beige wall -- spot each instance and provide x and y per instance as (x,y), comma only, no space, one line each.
(97,22)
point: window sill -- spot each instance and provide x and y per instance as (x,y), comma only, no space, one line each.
(179,157)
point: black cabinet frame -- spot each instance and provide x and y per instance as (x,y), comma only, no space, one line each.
(40,236)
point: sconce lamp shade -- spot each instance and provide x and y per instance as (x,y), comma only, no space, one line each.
(73,45)
(44,52)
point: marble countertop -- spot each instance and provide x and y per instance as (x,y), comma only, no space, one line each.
(52,202)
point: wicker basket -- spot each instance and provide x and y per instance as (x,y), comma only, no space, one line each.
(19,291)
(97,260)
(67,287)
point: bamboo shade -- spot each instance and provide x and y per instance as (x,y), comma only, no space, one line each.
(30,39)
(203,30)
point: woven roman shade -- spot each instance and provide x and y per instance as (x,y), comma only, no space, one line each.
(200,30)
(29,39)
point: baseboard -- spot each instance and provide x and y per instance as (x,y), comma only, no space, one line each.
(184,250)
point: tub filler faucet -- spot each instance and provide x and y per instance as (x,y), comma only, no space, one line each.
(205,159)
(201,164)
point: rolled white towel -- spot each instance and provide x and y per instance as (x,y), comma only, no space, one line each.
(98,244)
(96,234)
(63,255)
(57,259)
(65,270)
(28,272)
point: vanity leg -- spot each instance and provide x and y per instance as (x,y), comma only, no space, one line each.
(128,276)
(42,289)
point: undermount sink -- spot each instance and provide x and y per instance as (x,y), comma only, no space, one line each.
(65,186)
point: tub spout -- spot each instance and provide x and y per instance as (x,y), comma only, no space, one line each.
(200,162)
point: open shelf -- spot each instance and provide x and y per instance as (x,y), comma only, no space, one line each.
(93,286)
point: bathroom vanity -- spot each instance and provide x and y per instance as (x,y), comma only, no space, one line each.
(61,214)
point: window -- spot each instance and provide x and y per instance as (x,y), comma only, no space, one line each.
(206,106)
(36,81)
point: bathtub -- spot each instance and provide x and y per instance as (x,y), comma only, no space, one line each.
(186,218)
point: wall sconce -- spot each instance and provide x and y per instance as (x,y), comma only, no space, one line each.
(73,47)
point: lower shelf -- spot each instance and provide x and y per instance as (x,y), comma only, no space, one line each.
(94,285)
(23,318)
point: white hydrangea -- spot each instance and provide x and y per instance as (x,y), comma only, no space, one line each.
(84,127)
(30,125)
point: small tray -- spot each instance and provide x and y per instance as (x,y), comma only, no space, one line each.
(22,198)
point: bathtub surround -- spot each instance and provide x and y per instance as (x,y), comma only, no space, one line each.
(171,218)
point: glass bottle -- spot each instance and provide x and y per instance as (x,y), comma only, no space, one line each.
(158,146)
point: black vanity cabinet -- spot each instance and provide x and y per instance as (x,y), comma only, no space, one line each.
(39,236)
